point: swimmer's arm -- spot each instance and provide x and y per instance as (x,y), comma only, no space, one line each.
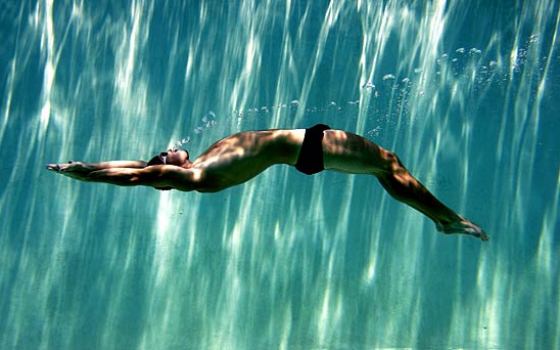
(132,173)
(83,167)
(81,170)
(159,176)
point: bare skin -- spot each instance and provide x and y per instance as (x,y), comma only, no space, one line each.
(240,157)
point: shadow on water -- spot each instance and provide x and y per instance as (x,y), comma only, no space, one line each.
(466,94)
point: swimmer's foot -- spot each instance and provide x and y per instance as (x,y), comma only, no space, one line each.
(463,226)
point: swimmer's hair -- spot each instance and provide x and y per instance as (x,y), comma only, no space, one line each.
(155,161)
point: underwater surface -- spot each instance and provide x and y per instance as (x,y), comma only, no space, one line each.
(465,92)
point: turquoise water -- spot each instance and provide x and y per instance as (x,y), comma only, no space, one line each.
(465,92)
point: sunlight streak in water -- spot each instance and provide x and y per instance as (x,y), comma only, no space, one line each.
(47,45)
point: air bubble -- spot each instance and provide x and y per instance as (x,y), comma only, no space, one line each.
(388,76)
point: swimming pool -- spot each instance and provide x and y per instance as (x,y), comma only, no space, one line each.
(465,94)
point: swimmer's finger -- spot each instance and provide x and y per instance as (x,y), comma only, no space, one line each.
(59,168)
(53,167)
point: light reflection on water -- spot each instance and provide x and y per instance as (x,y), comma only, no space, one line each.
(465,94)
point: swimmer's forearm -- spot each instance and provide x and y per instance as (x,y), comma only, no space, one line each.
(163,177)
(115,176)
(129,164)
(127,177)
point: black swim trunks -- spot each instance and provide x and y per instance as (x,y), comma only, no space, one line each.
(310,159)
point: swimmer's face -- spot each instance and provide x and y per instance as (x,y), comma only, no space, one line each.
(172,156)
(176,157)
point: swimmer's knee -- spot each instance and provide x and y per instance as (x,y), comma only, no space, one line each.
(392,162)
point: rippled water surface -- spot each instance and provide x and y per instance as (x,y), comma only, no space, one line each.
(466,93)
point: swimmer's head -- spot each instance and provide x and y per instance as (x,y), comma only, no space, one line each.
(172,156)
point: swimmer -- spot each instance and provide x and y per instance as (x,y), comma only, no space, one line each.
(240,157)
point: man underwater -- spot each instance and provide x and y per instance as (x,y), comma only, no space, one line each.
(240,157)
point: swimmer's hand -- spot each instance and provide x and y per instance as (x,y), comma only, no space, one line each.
(75,170)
